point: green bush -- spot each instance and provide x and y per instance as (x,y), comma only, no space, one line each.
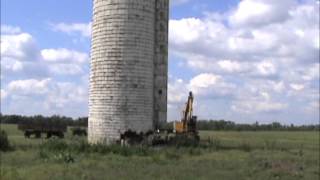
(65,157)
(56,150)
(54,144)
(4,141)
(58,146)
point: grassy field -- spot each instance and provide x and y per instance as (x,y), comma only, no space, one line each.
(229,155)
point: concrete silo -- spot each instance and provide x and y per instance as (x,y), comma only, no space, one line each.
(129,64)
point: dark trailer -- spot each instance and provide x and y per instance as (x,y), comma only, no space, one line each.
(51,128)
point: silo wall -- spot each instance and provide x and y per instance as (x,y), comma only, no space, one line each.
(128,76)
(161,63)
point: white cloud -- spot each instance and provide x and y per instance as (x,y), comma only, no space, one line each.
(65,62)
(46,96)
(260,12)
(256,106)
(213,40)
(29,86)
(176,91)
(83,28)
(20,56)
(209,85)
(231,66)
(266,68)
(66,69)
(20,46)
(64,55)
(205,85)
(11,64)
(6,29)
(204,80)
(278,87)
(312,72)
(186,30)
(66,94)
(31,77)
(266,57)
(297,87)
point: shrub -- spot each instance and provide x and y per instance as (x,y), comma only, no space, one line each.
(65,157)
(54,144)
(56,150)
(4,141)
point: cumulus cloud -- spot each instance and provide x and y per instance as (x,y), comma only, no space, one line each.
(64,55)
(213,39)
(66,69)
(232,66)
(6,29)
(47,96)
(11,64)
(206,85)
(297,87)
(176,91)
(256,106)
(31,77)
(83,29)
(20,46)
(65,62)
(209,85)
(29,86)
(260,12)
(20,56)
(265,54)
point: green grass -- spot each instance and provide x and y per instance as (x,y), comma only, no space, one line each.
(228,155)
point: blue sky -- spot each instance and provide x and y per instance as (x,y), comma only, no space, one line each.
(245,61)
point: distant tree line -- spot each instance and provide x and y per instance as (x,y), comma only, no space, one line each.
(217,125)
(222,125)
(232,126)
(62,120)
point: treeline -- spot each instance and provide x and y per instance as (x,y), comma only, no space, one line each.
(222,125)
(216,125)
(232,126)
(61,120)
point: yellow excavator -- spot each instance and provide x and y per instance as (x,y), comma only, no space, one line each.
(187,127)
